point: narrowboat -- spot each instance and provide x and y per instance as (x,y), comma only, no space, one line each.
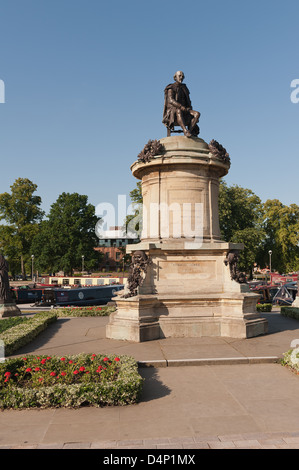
(80,296)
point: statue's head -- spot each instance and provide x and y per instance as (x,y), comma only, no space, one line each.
(179,76)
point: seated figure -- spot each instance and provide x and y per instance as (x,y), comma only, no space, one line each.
(178,109)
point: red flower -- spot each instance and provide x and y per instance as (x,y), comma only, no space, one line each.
(28,369)
(7,379)
(40,379)
(76,372)
(7,374)
(48,358)
(24,358)
(82,369)
(62,358)
(116,359)
(43,361)
(37,369)
(70,362)
(106,359)
(53,374)
(63,373)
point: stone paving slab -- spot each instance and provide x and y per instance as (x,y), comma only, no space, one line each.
(74,335)
(242,441)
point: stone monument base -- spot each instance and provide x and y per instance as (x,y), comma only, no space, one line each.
(9,309)
(141,318)
(187,293)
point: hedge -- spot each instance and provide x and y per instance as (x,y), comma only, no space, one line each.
(21,334)
(264,307)
(9,322)
(70,381)
(292,312)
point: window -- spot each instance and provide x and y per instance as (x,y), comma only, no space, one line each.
(65,282)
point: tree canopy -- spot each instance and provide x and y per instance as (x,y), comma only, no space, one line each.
(22,214)
(67,235)
(244,218)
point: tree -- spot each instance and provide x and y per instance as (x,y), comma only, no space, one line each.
(136,198)
(67,235)
(240,218)
(281,224)
(22,214)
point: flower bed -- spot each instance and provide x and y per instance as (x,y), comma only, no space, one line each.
(21,334)
(69,381)
(291,359)
(84,311)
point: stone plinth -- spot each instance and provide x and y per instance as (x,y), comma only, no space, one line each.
(188,290)
(9,309)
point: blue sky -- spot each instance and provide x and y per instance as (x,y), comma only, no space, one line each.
(84,84)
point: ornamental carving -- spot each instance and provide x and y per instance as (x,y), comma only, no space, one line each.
(232,260)
(150,150)
(137,273)
(218,151)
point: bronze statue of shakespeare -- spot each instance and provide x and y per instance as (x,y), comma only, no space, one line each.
(178,109)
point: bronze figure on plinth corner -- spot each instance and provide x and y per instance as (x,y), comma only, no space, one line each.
(5,293)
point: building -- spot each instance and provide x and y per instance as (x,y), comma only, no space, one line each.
(113,246)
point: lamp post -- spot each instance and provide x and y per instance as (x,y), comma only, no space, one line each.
(270,254)
(82,264)
(32,266)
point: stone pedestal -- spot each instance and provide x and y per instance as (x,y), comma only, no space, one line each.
(9,309)
(188,290)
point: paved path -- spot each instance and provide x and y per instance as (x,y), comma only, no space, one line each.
(203,393)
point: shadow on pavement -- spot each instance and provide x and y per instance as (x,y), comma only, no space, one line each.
(277,322)
(42,338)
(153,388)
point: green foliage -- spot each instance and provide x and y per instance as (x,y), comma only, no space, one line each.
(240,218)
(264,307)
(281,225)
(21,334)
(66,235)
(9,322)
(69,381)
(22,214)
(243,218)
(291,312)
(291,359)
